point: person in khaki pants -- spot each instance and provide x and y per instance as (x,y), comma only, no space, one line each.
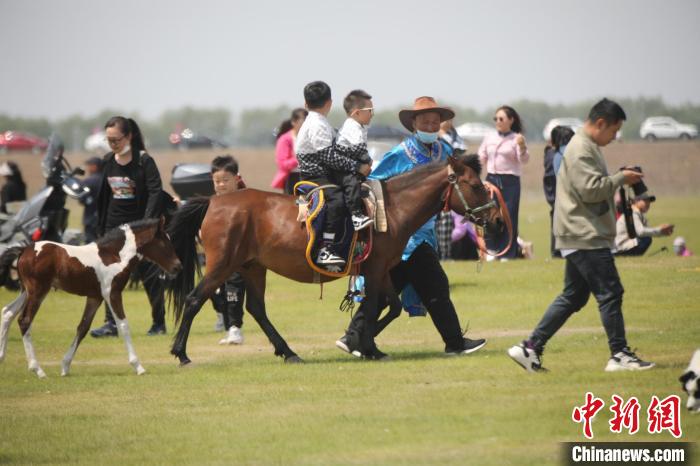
(584,231)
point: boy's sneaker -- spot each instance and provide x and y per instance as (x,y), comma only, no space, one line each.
(327,257)
(346,343)
(234,336)
(360,221)
(219,325)
(626,360)
(156,329)
(529,358)
(468,346)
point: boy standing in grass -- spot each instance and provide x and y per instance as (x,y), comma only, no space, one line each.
(584,230)
(228,298)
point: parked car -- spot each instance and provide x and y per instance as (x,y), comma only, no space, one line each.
(664,127)
(474,132)
(15,140)
(573,123)
(188,139)
(380,140)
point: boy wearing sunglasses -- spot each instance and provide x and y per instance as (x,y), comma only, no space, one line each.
(352,143)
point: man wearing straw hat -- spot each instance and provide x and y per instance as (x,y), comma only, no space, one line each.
(419,276)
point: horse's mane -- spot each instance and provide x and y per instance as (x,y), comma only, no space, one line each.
(117,234)
(412,177)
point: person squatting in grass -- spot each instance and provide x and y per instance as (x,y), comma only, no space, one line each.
(320,163)
(584,230)
(228,298)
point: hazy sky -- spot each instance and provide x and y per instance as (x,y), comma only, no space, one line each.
(82,56)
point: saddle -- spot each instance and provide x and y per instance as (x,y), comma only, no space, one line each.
(351,244)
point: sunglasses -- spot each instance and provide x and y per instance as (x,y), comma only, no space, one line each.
(113,141)
(369,109)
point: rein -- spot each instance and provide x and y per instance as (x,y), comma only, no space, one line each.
(470,213)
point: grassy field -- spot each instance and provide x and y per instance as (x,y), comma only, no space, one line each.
(241,405)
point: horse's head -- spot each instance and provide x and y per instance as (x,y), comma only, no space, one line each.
(469,197)
(153,243)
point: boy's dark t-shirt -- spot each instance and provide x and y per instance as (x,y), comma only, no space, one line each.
(123,206)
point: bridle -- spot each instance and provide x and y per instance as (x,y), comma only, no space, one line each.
(470,213)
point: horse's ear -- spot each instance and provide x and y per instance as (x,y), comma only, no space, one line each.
(456,164)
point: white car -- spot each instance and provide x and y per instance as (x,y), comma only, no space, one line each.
(663,127)
(573,123)
(96,143)
(474,132)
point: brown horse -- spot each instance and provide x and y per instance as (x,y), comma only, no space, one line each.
(99,271)
(250,231)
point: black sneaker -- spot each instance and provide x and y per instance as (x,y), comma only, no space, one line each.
(527,357)
(468,346)
(156,329)
(626,360)
(349,344)
(107,330)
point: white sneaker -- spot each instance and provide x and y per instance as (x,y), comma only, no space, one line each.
(326,257)
(626,360)
(219,325)
(234,336)
(361,221)
(526,357)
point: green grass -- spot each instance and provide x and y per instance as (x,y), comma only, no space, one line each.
(241,405)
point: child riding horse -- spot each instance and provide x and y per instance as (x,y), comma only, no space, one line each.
(251,231)
(99,271)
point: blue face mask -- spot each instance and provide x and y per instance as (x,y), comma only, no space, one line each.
(426,138)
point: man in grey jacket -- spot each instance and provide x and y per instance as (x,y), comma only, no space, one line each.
(584,230)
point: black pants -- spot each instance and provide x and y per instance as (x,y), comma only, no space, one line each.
(587,271)
(228,300)
(643,244)
(351,184)
(424,272)
(154,282)
(510,189)
(335,203)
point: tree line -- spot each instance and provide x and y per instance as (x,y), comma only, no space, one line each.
(256,127)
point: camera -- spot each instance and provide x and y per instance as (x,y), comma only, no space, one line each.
(638,189)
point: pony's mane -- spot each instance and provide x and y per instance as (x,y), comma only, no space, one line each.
(117,234)
(411,177)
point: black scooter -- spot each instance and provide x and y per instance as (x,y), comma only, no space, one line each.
(44,216)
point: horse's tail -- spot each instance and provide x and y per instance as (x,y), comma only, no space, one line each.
(6,260)
(183,229)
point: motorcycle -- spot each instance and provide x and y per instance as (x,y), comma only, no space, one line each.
(44,216)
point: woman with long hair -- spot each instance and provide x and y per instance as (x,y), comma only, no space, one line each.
(286,177)
(503,152)
(130,190)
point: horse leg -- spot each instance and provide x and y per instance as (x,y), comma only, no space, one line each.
(117,308)
(193,304)
(394,311)
(91,305)
(35,298)
(9,313)
(255,279)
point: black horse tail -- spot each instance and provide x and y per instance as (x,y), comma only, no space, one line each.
(183,230)
(7,260)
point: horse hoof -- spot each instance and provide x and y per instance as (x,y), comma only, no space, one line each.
(140,370)
(293,360)
(377,355)
(185,361)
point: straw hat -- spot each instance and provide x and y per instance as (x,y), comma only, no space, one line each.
(423,105)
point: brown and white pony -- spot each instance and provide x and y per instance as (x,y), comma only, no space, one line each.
(99,271)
